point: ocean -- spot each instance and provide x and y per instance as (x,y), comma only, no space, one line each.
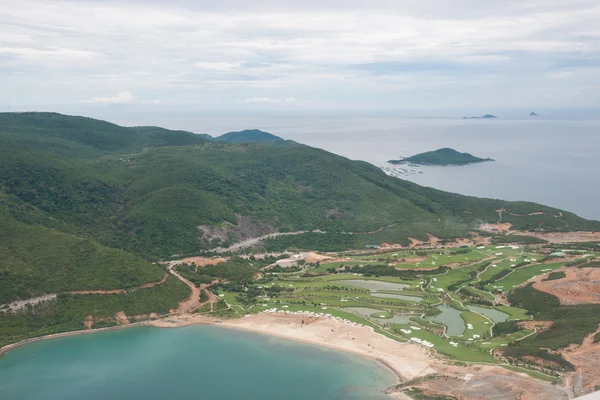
(196,362)
(540,159)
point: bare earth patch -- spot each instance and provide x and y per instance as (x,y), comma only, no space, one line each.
(479,382)
(314,258)
(531,325)
(122,318)
(579,286)
(200,261)
(586,358)
(563,237)
(498,227)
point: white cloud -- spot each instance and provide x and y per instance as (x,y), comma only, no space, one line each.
(341,52)
(119,98)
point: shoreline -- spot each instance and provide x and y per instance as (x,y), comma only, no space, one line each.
(5,349)
(166,322)
(326,333)
(385,364)
(406,361)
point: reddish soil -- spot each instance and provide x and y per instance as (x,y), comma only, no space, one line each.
(497,227)
(336,260)
(433,241)
(90,319)
(152,284)
(479,382)
(121,318)
(203,261)
(313,258)
(539,326)
(563,237)
(415,243)
(193,301)
(586,359)
(580,286)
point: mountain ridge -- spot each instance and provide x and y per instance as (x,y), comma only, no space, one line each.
(89,205)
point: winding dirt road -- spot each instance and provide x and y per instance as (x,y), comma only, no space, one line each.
(21,304)
(192,302)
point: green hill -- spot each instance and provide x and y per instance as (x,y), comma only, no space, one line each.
(88,205)
(445,156)
(249,136)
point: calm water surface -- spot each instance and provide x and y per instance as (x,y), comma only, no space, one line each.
(198,362)
(396,319)
(452,319)
(493,314)
(376,286)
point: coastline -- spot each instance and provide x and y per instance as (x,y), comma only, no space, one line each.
(167,322)
(9,347)
(405,360)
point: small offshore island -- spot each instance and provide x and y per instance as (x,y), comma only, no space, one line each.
(445,156)
(486,116)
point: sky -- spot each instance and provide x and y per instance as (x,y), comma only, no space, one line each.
(310,55)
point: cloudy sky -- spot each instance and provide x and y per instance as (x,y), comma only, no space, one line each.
(299,55)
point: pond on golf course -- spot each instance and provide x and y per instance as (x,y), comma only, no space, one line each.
(493,314)
(451,318)
(377,287)
(367,312)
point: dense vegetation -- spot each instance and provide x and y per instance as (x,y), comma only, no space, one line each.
(36,260)
(571,324)
(135,189)
(68,312)
(86,204)
(248,136)
(443,156)
(385,270)
(235,269)
(555,275)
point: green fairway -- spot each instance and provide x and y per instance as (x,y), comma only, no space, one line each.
(515,313)
(478,326)
(453,277)
(522,275)
(463,351)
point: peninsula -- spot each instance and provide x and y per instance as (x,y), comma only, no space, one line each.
(445,156)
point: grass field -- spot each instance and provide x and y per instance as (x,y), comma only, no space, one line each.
(453,277)
(515,313)
(522,275)
(480,326)
(462,352)
(337,294)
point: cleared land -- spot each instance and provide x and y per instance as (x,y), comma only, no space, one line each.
(579,286)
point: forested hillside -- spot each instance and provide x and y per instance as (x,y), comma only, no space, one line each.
(85,202)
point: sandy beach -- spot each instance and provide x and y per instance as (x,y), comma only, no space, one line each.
(406,360)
